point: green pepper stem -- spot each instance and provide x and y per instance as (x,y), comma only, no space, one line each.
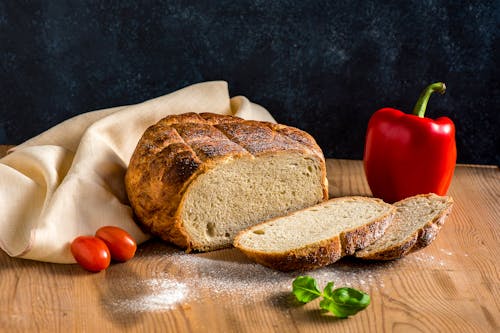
(421,106)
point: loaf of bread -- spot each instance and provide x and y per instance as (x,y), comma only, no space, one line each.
(417,222)
(318,235)
(196,180)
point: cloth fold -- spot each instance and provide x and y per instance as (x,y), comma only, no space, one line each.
(68,181)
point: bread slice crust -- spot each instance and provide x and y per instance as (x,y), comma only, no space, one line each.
(421,237)
(325,251)
(179,148)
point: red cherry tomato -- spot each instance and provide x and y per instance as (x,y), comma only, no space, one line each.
(121,245)
(91,253)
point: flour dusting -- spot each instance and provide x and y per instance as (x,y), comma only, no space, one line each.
(179,279)
(159,295)
(182,278)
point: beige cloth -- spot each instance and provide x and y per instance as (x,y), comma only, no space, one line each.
(68,181)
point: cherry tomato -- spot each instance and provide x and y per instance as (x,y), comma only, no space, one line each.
(91,253)
(121,245)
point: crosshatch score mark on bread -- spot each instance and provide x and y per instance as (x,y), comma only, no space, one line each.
(196,180)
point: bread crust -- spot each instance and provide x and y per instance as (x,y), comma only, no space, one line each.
(417,240)
(359,238)
(177,149)
(315,255)
(326,251)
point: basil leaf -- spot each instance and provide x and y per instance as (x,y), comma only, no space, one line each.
(343,302)
(305,289)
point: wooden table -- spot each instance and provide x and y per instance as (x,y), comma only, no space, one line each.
(451,286)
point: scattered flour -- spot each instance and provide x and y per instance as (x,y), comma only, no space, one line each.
(181,278)
(159,295)
(428,260)
(447,252)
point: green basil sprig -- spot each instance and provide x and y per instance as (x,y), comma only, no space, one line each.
(342,302)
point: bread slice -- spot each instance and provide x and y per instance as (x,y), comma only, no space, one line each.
(196,180)
(416,224)
(318,235)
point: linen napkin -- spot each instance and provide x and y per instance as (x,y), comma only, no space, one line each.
(68,181)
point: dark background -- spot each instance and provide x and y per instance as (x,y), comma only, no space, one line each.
(323,66)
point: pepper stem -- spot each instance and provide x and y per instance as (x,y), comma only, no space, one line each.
(421,106)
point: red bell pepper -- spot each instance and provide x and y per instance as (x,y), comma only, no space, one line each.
(409,154)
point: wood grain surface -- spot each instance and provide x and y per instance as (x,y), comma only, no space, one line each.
(451,286)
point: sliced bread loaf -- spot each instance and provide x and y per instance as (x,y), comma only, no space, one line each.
(318,235)
(196,180)
(416,224)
